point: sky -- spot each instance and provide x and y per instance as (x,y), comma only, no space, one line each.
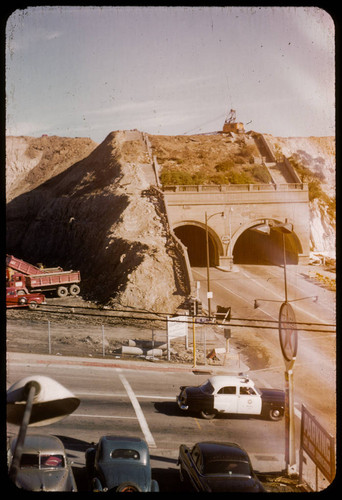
(88,71)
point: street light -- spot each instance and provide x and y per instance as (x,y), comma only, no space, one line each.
(209,293)
(36,400)
(288,343)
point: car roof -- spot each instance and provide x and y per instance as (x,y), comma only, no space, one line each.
(43,443)
(220,380)
(109,443)
(226,450)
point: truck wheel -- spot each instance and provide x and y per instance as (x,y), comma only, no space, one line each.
(274,414)
(208,414)
(33,305)
(74,289)
(62,291)
(22,301)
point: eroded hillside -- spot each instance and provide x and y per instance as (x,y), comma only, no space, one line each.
(99,216)
(84,206)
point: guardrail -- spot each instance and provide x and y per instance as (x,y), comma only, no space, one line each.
(224,188)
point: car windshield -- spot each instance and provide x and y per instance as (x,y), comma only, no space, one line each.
(207,387)
(227,467)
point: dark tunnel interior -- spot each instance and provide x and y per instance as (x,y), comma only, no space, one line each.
(263,249)
(250,248)
(193,238)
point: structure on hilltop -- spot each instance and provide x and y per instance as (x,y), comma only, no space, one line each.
(231,125)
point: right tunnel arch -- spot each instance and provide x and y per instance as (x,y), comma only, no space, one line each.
(252,247)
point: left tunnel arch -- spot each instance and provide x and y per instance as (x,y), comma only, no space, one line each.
(194,238)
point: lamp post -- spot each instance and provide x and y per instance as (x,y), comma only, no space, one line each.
(209,293)
(288,343)
(36,401)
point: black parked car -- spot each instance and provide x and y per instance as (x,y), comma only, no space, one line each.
(119,464)
(217,467)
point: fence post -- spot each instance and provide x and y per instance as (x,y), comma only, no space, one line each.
(103,343)
(49,337)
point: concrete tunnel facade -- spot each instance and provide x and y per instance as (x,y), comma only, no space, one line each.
(246,246)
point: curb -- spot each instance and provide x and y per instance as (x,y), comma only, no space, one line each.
(230,366)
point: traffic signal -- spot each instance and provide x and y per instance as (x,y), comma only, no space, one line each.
(192,307)
(199,308)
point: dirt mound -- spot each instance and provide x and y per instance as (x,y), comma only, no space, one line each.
(31,161)
(99,216)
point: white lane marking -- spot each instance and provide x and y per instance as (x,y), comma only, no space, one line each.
(138,411)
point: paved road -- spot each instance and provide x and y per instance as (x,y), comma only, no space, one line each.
(116,399)
(315,367)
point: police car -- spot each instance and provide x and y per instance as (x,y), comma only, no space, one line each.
(231,394)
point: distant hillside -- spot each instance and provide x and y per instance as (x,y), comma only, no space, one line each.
(194,159)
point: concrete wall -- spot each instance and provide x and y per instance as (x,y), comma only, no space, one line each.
(244,206)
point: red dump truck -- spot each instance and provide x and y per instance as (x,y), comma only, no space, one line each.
(21,274)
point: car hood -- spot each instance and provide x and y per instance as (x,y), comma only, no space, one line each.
(118,474)
(45,480)
(238,484)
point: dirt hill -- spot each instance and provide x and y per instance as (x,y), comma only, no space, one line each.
(99,216)
(79,205)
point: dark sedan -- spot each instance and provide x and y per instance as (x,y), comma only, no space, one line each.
(217,467)
(119,464)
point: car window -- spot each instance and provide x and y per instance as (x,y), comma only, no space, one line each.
(48,461)
(227,390)
(126,454)
(227,467)
(29,460)
(249,391)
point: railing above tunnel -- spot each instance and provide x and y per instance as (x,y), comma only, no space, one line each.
(223,188)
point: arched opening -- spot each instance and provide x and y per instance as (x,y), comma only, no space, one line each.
(253,247)
(193,237)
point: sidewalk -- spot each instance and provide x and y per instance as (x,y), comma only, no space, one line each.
(232,363)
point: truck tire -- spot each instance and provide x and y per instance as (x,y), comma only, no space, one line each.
(62,291)
(33,305)
(74,289)
(274,414)
(22,301)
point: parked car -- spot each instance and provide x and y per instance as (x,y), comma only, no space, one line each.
(217,467)
(20,297)
(231,394)
(43,465)
(119,464)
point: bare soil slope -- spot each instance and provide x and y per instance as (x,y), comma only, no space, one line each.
(98,216)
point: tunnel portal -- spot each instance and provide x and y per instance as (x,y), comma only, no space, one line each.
(263,249)
(251,247)
(193,237)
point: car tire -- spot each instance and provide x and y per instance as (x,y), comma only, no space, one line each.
(208,414)
(33,305)
(22,301)
(129,486)
(274,414)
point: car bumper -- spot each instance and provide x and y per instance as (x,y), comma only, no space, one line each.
(181,405)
